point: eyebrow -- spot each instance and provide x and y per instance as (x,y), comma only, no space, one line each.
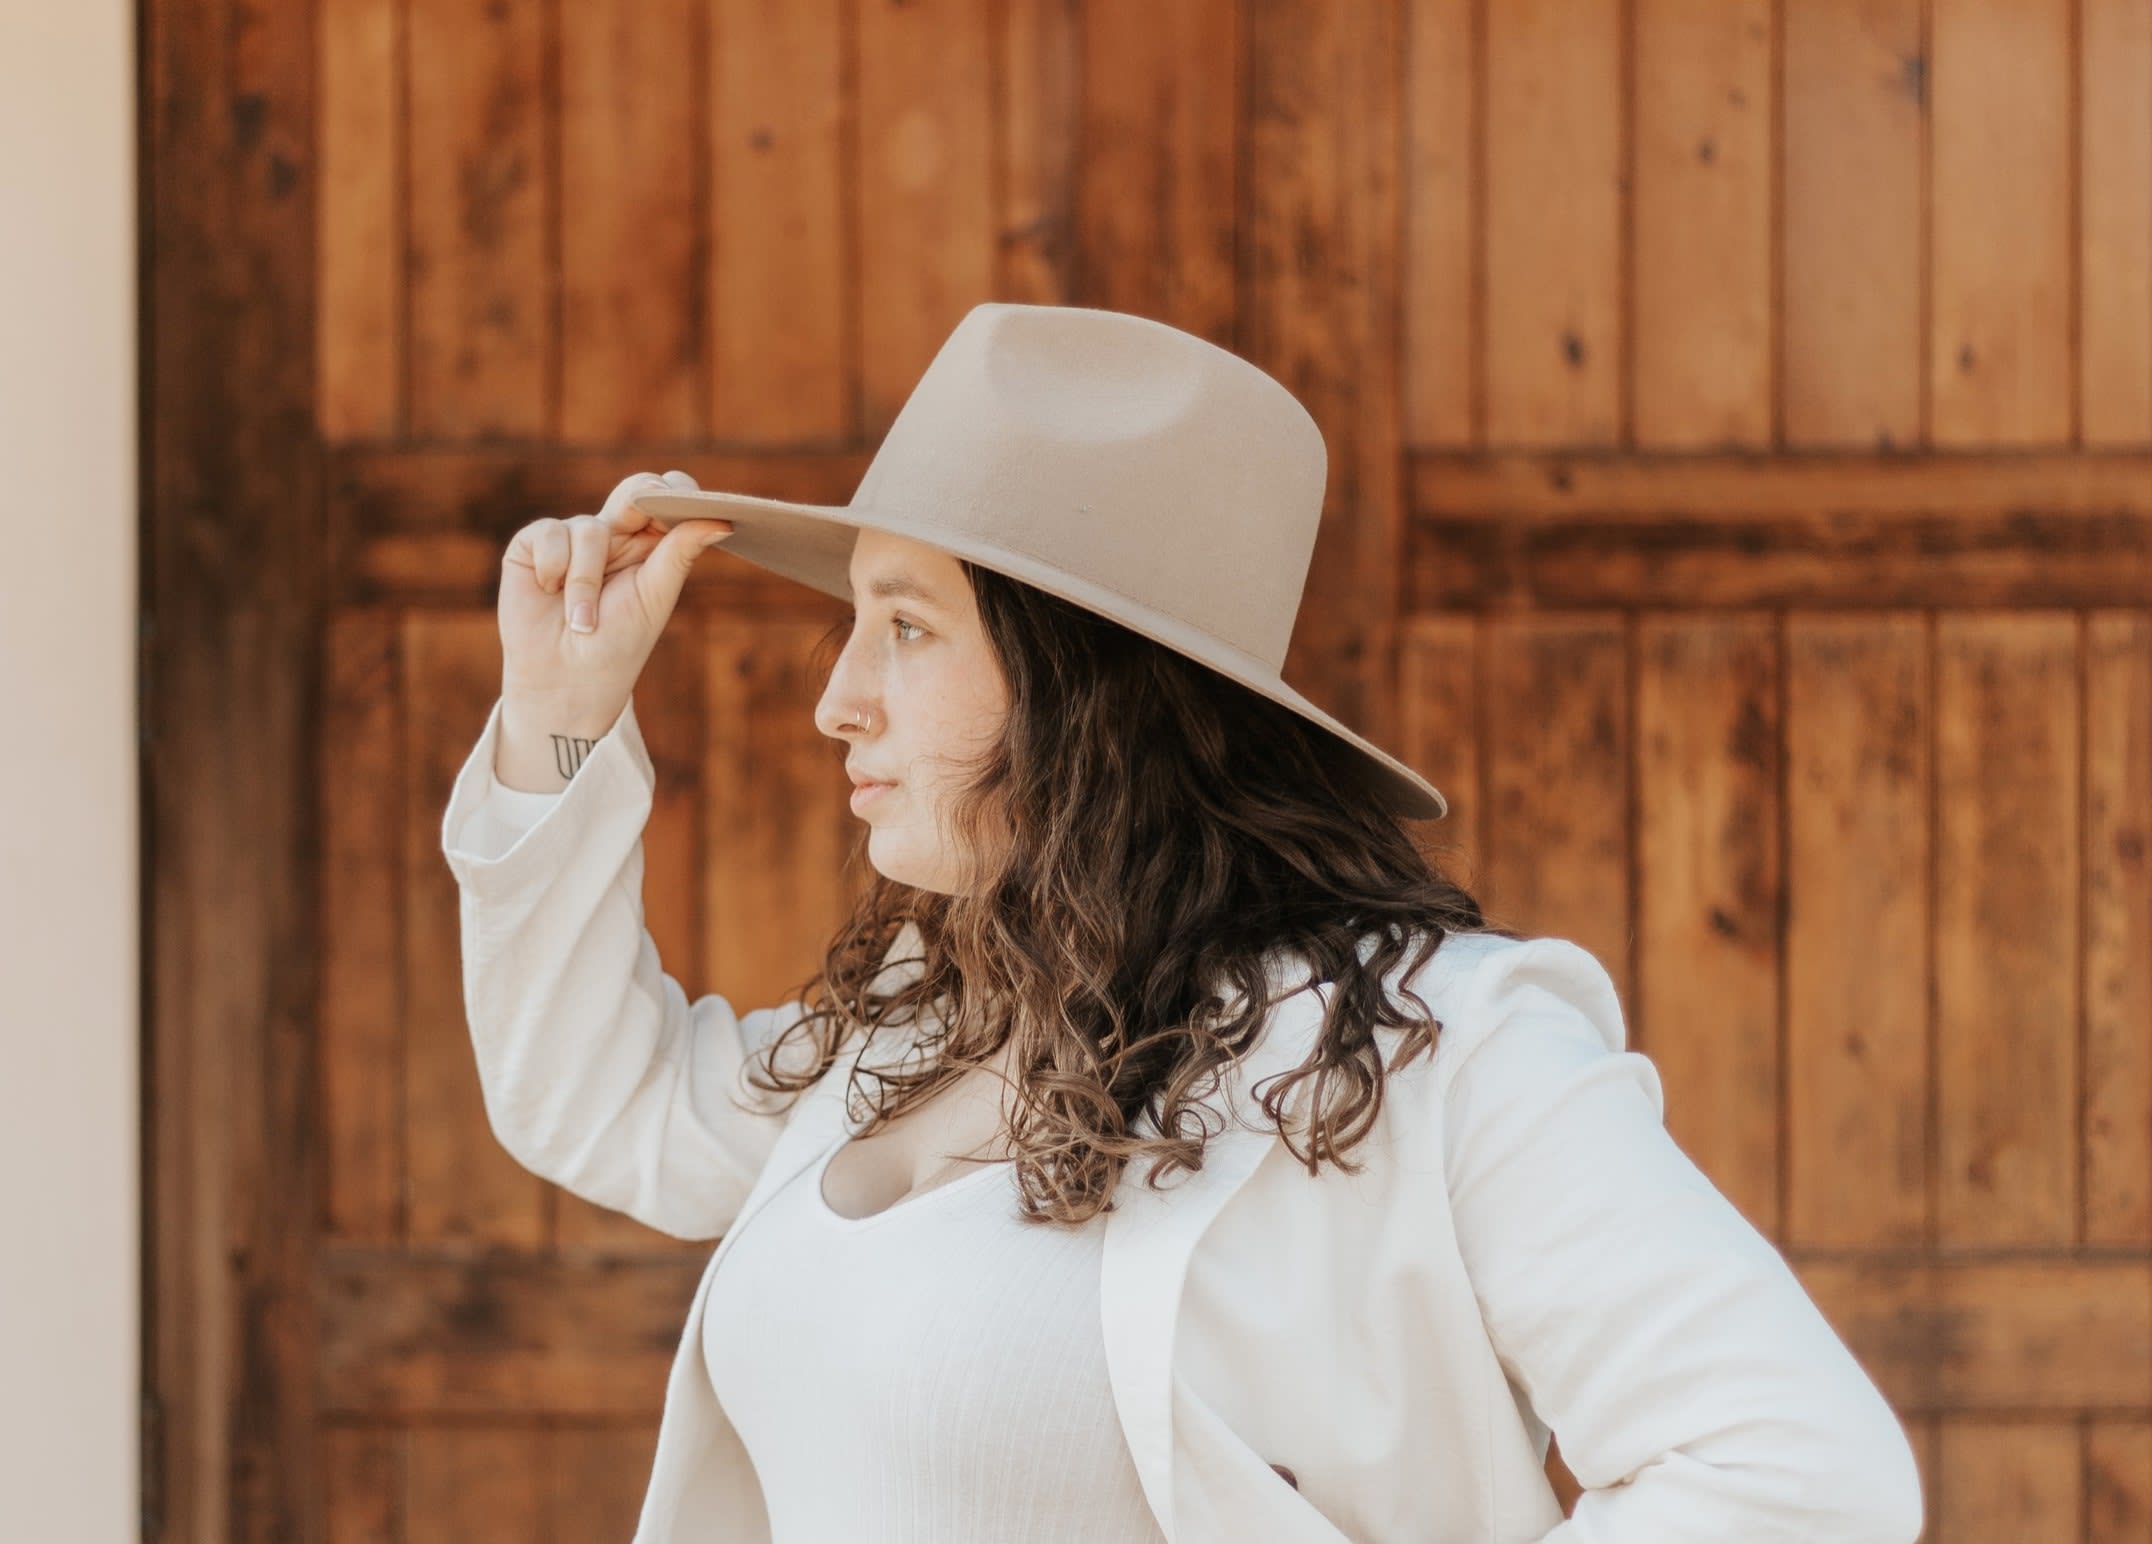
(900,586)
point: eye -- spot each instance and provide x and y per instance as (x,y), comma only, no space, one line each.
(907,622)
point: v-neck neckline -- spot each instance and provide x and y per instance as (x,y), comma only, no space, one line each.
(822,1201)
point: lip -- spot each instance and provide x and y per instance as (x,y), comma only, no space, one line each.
(867,792)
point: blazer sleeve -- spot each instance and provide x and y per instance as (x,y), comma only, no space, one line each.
(597,1071)
(1696,1390)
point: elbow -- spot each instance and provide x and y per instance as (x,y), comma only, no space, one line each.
(1893,1511)
(1852,1480)
(1871,1490)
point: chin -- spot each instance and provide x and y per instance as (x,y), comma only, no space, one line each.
(900,868)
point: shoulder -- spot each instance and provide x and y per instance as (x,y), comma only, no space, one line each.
(1474,984)
(1479,984)
(1478,976)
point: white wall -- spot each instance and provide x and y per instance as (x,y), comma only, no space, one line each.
(70,897)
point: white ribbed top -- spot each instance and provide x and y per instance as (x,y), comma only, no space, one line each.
(930,1374)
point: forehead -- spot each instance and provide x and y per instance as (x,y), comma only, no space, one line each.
(900,567)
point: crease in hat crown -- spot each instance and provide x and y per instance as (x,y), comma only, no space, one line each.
(1115,461)
(1160,467)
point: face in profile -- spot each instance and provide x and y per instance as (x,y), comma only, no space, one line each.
(916,695)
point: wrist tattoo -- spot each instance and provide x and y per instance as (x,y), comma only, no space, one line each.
(568,753)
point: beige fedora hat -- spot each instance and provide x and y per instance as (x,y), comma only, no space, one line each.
(1128,467)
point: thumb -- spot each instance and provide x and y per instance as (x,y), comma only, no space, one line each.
(665,570)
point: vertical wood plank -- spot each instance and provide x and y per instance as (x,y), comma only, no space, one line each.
(594,1479)
(482,343)
(1856,95)
(782,351)
(2118,928)
(1321,312)
(1558,768)
(630,211)
(669,700)
(2006,944)
(2115,221)
(359,221)
(232,566)
(2000,365)
(1857,928)
(361,1485)
(462,1184)
(1439,665)
(925,129)
(1702,231)
(1439,407)
(2008,1482)
(1040,70)
(784,854)
(1160,130)
(1708,888)
(1557,153)
(360,1017)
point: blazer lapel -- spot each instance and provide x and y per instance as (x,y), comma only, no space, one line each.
(1150,1235)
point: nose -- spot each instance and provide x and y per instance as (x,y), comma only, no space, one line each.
(840,721)
(847,706)
(841,713)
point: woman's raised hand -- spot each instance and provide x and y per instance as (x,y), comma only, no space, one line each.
(583,599)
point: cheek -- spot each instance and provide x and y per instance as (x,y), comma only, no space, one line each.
(986,708)
(962,719)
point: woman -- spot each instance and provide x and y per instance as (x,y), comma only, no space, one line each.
(1164,1150)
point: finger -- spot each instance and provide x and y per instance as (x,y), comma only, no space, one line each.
(627,551)
(620,512)
(671,482)
(548,542)
(589,544)
(661,579)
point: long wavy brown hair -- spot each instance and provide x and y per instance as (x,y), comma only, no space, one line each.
(1144,832)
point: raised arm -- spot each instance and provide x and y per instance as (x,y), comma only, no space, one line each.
(597,1071)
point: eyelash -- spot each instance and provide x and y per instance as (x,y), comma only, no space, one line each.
(852,620)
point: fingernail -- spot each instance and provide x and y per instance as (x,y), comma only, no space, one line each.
(582,619)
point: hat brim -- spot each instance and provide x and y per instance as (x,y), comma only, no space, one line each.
(812,545)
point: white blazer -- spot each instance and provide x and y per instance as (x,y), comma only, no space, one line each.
(1526,1248)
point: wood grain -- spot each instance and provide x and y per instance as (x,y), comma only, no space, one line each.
(2007,929)
(1710,893)
(783,243)
(2000,368)
(1852,225)
(361,1014)
(630,221)
(1859,788)
(1701,258)
(484,342)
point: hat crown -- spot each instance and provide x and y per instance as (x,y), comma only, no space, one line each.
(1147,461)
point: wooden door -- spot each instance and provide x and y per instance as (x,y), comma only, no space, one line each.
(1740,426)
